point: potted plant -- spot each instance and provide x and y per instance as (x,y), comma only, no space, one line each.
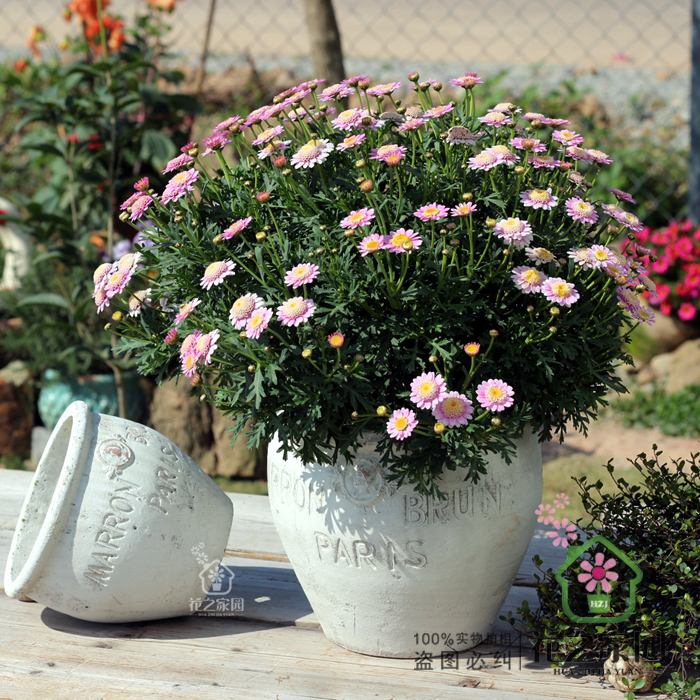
(405,300)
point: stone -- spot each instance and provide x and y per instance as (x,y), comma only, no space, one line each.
(236,460)
(684,366)
(16,410)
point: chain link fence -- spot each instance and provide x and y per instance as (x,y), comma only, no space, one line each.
(632,55)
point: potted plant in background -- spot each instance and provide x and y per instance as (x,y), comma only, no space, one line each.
(405,299)
(94,118)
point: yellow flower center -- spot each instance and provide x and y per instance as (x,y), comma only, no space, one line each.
(561,289)
(398,239)
(401,423)
(495,393)
(452,407)
(533,277)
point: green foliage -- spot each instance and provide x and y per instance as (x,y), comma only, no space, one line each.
(402,313)
(655,524)
(673,414)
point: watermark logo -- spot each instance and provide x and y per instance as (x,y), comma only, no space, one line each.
(598,572)
(217,582)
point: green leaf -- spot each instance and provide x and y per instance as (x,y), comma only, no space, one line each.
(47,299)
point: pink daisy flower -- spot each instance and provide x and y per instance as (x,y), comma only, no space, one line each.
(396,240)
(454,410)
(540,256)
(137,301)
(356,80)
(216,272)
(503,154)
(355,219)
(335,92)
(464,209)
(439,111)
(215,142)
(180,185)
(486,160)
(555,121)
(243,309)
(622,195)
(526,144)
(385,89)
(369,121)
(532,116)
(141,185)
(559,291)
(472,349)
(629,220)
(236,227)
(428,390)
(225,125)
(206,344)
(467,81)
(495,395)
(295,311)
(628,298)
(567,137)
(302,274)
(101,299)
(120,274)
(101,274)
(601,256)
(582,257)
(528,279)
(188,364)
(336,340)
(170,336)
(268,135)
(563,533)
(391,154)
(460,136)
(644,315)
(514,231)
(506,108)
(580,210)
(348,119)
(412,124)
(599,572)
(178,162)
(272,149)
(186,310)
(310,154)
(496,119)
(129,201)
(259,320)
(140,206)
(262,114)
(578,153)
(351,142)
(371,244)
(561,500)
(432,212)
(401,424)
(538,162)
(539,199)
(297,96)
(599,157)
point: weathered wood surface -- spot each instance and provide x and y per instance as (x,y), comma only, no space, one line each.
(272,649)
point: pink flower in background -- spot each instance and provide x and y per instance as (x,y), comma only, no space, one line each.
(312,153)
(129,200)
(561,500)
(396,240)
(439,111)
(302,274)
(599,157)
(268,135)
(401,423)
(141,185)
(180,185)
(385,89)
(178,162)
(567,137)
(600,571)
(371,244)
(236,227)
(412,124)
(580,210)
(464,209)
(221,126)
(295,311)
(186,310)
(560,291)
(495,395)
(432,212)
(467,81)
(206,344)
(545,513)
(215,142)
(622,195)
(514,231)
(496,119)
(170,336)
(563,532)
(259,320)
(358,218)
(539,199)
(428,390)
(454,410)
(216,272)
(140,206)
(243,309)
(528,279)
(351,141)
(687,311)
(335,92)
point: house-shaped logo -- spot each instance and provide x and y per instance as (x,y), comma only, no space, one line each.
(597,574)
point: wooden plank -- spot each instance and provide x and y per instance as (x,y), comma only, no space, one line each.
(46,654)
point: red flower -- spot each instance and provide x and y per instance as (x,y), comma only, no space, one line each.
(687,311)
(94,142)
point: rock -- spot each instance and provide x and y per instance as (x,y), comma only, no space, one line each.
(624,665)
(16,410)
(183,419)
(668,333)
(657,369)
(236,460)
(684,366)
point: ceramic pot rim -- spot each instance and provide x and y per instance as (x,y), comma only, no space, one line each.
(63,482)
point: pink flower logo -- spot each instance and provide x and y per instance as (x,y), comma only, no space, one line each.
(545,513)
(562,533)
(561,500)
(599,572)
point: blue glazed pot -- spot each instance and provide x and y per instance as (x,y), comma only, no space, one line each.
(98,391)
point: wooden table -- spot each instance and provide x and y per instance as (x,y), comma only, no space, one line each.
(273,650)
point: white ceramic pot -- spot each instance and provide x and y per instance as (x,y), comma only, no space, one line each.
(119,524)
(390,572)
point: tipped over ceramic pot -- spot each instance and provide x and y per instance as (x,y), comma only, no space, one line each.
(116,524)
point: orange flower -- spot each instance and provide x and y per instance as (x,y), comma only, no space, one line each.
(20,64)
(36,34)
(113,29)
(86,9)
(167,5)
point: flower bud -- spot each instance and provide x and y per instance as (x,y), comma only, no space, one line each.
(354,415)
(267,348)
(320,251)
(439,428)
(263,197)
(437,87)
(306,354)
(366,185)
(349,233)
(495,422)
(117,316)
(202,398)
(323,227)
(491,223)
(360,163)
(552,329)
(286,172)
(536,123)
(367,121)
(360,179)
(381,410)
(124,216)
(518,170)
(260,236)
(251,368)
(445,251)
(407,245)
(196,380)
(359,357)
(108,326)
(346,367)
(334,250)
(218,239)
(413,77)
(177,218)
(242,334)
(433,359)
(401,110)
(279,161)
(554,311)
(563,167)
(493,333)
(443,231)
(250,255)
(530,309)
